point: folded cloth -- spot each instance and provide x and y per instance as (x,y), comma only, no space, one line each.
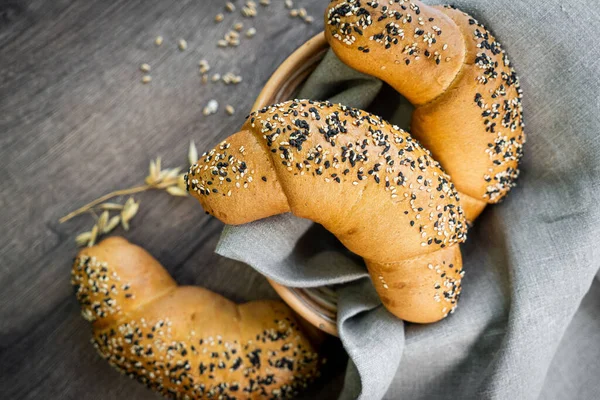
(528,323)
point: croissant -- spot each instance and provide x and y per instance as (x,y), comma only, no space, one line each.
(366,181)
(458,77)
(187,342)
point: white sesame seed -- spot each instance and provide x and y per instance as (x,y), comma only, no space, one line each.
(229,109)
(249,10)
(250,32)
(219,17)
(211,107)
(229,6)
(146,79)
(145,67)
(204,67)
(158,41)
(182,44)
(238,26)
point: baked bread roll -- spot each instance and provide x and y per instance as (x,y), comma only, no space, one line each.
(452,69)
(366,181)
(187,342)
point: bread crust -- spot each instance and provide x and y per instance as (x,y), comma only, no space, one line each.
(465,91)
(363,179)
(366,181)
(183,341)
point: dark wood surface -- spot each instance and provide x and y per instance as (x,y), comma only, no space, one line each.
(75,123)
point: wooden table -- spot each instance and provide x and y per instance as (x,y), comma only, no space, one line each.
(77,122)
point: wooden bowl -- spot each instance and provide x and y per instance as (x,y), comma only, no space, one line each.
(317,305)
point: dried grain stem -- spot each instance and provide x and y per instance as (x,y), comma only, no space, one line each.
(89,206)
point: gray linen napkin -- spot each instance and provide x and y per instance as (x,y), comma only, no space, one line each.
(528,324)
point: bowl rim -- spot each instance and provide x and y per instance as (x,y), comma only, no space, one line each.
(291,72)
(291,67)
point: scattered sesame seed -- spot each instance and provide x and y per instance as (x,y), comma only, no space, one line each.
(229,109)
(146,79)
(230,78)
(229,6)
(250,9)
(145,67)
(211,107)
(182,44)
(204,66)
(219,17)
(250,32)
(158,41)
(238,26)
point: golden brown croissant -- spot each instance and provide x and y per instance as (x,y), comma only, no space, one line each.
(187,342)
(467,96)
(364,180)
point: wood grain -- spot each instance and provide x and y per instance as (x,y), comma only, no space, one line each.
(76,122)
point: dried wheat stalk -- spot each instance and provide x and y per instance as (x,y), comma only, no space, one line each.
(170,179)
